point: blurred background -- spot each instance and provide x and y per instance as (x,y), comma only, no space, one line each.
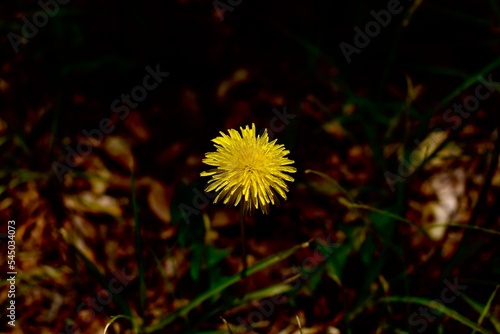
(391,108)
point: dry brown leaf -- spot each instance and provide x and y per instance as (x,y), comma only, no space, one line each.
(89,202)
(159,197)
(334,129)
(137,127)
(118,149)
(239,76)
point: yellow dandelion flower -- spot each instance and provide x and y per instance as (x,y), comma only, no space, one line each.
(250,168)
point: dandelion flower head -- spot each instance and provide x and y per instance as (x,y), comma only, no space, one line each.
(250,169)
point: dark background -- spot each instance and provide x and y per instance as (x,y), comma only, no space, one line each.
(352,121)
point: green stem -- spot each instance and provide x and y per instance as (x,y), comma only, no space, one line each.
(243,241)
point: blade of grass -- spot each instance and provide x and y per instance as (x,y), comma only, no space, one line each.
(437,306)
(225,283)
(479,309)
(163,273)
(465,17)
(227,325)
(116,317)
(335,183)
(55,120)
(467,83)
(263,293)
(350,202)
(487,307)
(21,142)
(445,101)
(389,60)
(238,303)
(299,324)
(120,302)
(473,227)
(386,213)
